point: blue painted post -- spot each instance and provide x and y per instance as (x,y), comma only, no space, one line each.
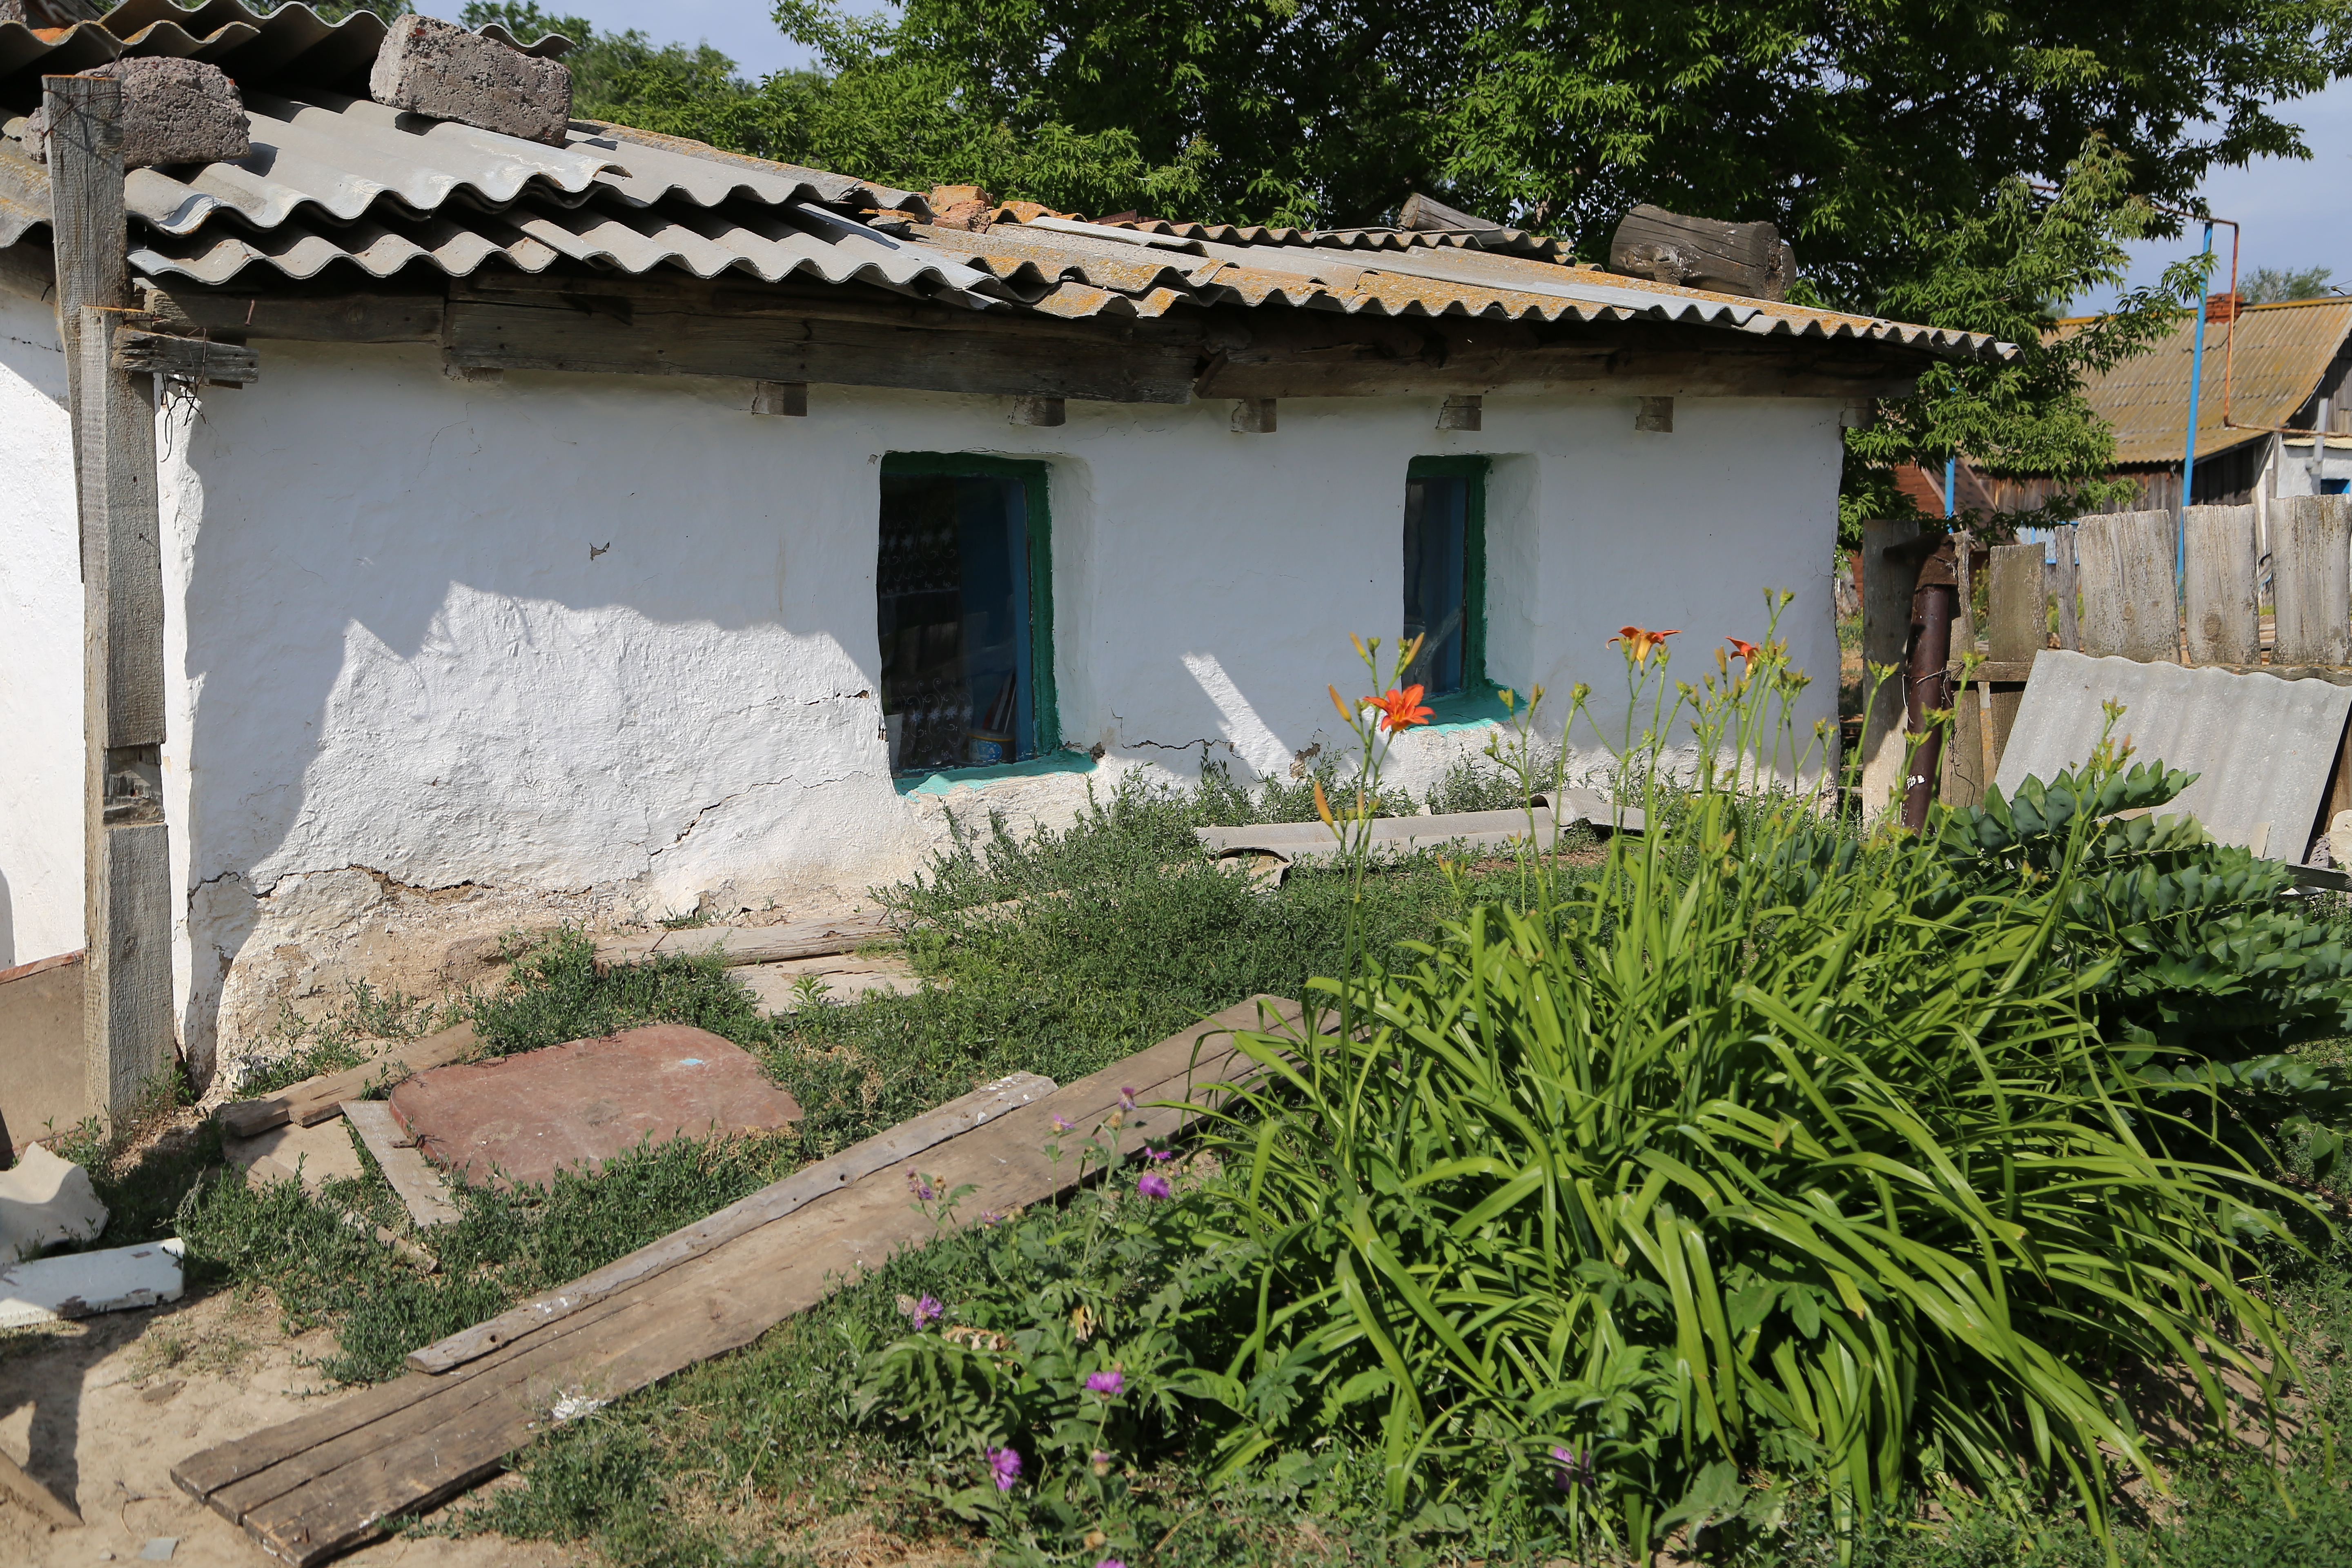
(1951,477)
(2189,454)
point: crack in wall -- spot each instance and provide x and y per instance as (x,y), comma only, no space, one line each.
(724,800)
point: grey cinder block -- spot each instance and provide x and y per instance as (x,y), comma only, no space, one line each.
(434,68)
(173,111)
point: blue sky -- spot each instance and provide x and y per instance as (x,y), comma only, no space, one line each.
(2294,214)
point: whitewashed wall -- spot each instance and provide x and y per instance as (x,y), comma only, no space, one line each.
(413,705)
(40,645)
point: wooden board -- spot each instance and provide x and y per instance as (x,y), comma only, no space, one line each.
(2311,580)
(416,1184)
(2126,570)
(751,945)
(2019,615)
(1744,258)
(773,1202)
(2223,624)
(326,1482)
(1962,763)
(315,1099)
(1887,587)
(2068,585)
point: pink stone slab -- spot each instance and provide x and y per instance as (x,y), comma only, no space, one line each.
(572,1107)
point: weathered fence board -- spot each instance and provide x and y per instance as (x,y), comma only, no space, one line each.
(2311,580)
(1964,762)
(2126,574)
(2018,613)
(1886,587)
(2222,623)
(2070,625)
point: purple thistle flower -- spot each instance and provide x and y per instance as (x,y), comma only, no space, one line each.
(924,1310)
(1572,1467)
(989,1216)
(1106,1384)
(919,1186)
(1062,1125)
(1152,1184)
(1111,1562)
(1126,1098)
(1006,1463)
(1158,1156)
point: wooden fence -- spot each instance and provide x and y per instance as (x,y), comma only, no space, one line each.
(2110,590)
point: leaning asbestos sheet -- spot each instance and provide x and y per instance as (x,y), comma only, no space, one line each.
(2261,747)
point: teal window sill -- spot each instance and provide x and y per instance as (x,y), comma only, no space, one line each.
(1467,709)
(948,779)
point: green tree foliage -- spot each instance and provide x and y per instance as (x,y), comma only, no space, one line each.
(2269,285)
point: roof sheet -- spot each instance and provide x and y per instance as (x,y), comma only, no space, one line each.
(2261,747)
(335,178)
(2273,358)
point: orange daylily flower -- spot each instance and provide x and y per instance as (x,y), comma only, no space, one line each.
(1399,709)
(1745,649)
(1638,642)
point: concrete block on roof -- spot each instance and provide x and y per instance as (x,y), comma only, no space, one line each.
(434,68)
(177,112)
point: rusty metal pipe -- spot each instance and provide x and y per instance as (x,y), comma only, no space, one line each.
(1928,687)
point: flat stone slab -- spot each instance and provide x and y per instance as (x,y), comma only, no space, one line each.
(309,1154)
(572,1107)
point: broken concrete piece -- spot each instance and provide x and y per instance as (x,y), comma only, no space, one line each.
(311,1155)
(574,1106)
(83,1284)
(417,1185)
(173,111)
(434,68)
(44,1201)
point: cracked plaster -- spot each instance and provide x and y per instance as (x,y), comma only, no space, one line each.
(448,657)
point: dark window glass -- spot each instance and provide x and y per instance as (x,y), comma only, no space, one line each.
(1437,580)
(955,621)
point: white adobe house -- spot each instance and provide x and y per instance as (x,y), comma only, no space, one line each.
(612,525)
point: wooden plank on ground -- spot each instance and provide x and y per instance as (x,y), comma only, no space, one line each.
(327,1482)
(418,1185)
(317,1099)
(2223,625)
(2311,580)
(2020,615)
(2125,565)
(751,945)
(773,1202)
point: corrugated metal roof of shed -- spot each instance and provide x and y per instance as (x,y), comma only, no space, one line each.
(2280,354)
(336,178)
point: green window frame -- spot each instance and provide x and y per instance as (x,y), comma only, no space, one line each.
(1045,729)
(1473,471)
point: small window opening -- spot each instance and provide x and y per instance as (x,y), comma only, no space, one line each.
(959,582)
(1444,572)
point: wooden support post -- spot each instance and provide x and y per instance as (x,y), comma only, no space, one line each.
(128,1034)
(1890,571)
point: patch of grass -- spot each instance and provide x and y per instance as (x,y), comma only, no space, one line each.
(356,1030)
(556,992)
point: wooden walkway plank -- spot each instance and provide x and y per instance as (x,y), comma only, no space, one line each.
(320,1098)
(418,1185)
(736,945)
(325,1482)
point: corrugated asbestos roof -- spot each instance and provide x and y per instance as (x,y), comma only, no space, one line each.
(336,178)
(2261,747)
(2273,368)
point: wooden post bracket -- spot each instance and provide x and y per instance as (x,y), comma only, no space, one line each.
(185,359)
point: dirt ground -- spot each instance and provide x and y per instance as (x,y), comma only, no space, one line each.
(106,1406)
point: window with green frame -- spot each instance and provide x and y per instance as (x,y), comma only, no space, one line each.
(964,591)
(1445,572)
